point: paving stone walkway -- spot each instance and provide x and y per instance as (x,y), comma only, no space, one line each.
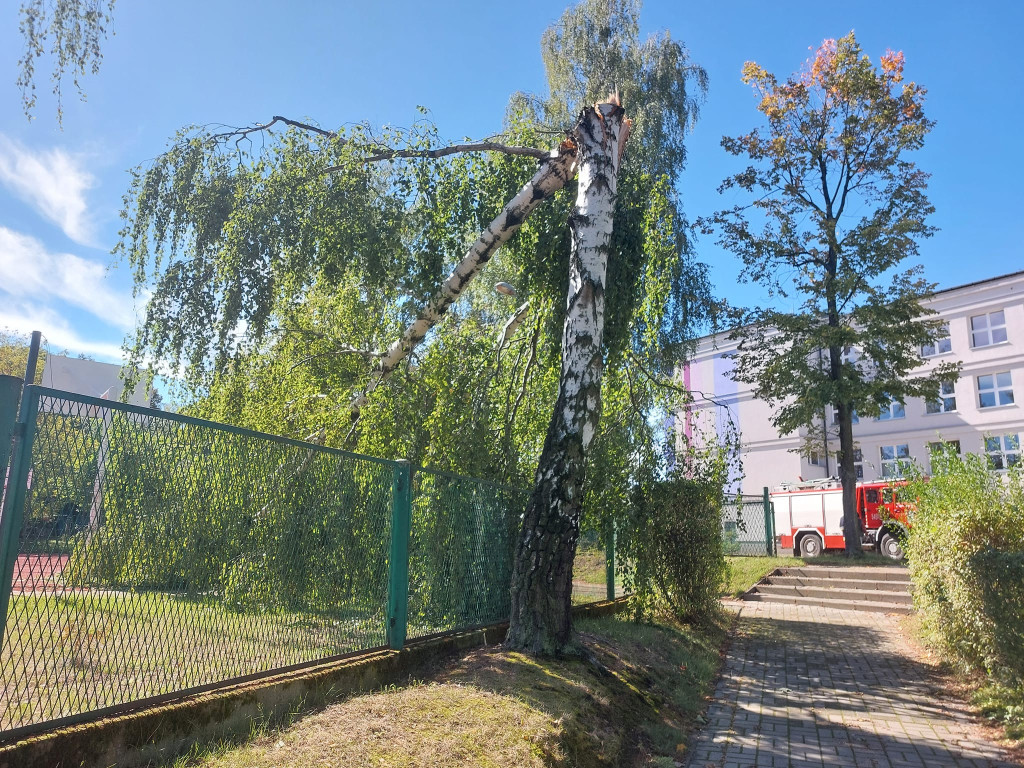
(807,686)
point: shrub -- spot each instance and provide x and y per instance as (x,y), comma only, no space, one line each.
(674,545)
(966,556)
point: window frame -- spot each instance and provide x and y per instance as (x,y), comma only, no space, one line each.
(897,461)
(996,390)
(936,346)
(1004,450)
(942,400)
(989,329)
(890,414)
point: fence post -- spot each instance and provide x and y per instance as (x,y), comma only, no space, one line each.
(10,392)
(769,524)
(14,498)
(609,562)
(398,571)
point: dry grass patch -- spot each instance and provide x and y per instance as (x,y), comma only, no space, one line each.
(440,724)
(629,695)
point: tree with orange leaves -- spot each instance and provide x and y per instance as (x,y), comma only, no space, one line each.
(836,209)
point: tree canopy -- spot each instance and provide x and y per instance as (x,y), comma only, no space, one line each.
(837,209)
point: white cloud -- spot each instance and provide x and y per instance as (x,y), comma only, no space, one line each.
(53,182)
(31,273)
(57,333)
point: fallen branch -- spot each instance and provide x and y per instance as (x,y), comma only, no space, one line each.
(555,171)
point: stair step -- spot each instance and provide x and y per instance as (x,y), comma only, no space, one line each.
(836,593)
(843,605)
(879,573)
(865,584)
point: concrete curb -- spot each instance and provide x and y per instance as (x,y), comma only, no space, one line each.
(162,732)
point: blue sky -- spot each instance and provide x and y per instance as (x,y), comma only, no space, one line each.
(176,63)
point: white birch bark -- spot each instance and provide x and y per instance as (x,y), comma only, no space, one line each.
(554,173)
(540,621)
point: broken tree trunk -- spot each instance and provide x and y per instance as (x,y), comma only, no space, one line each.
(540,620)
(555,171)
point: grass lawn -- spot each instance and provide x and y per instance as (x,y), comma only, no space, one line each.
(68,654)
(629,697)
(588,566)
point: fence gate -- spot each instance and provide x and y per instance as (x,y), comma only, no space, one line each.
(748,526)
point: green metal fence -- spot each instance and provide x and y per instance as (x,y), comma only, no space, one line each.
(748,526)
(147,555)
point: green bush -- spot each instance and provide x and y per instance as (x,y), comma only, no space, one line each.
(966,556)
(675,548)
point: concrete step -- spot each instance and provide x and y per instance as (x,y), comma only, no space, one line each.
(843,605)
(850,584)
(875,573)
(893,597)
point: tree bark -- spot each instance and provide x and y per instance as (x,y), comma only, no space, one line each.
(848,476)
(555,171)
(540,620)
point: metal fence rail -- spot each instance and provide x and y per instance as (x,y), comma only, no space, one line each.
(748,526)
(145,555)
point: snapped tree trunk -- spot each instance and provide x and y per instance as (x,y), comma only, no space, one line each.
(553,174)
(540,620)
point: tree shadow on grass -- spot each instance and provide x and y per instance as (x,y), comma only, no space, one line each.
(628,693)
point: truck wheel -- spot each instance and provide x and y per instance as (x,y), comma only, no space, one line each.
(810,546)
(890,547)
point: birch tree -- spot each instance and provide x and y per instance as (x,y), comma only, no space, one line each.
(249,236)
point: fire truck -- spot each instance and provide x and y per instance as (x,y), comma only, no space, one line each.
(809,517)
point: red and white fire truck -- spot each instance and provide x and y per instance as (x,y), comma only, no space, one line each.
(809,517)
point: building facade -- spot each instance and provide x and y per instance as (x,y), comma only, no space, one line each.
(981,412)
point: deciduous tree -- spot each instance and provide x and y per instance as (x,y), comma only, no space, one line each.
(286,250)
(838,208)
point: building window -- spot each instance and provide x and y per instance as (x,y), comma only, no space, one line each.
(946,401)
(895,410)
(940,346)
(854,419)
(1003,451)
(895,459)
(858,463)
(988,329)
(995,389)
(815,459)
(945,446)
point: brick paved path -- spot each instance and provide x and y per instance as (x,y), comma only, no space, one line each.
(806,686)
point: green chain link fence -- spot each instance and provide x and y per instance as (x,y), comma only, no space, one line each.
(748,526)
(145,555)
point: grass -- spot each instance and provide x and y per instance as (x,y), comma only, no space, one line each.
(745,572)
(589,566)
(629,696)
(71,653)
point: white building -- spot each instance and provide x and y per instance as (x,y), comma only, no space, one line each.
(88,377)
(980,413)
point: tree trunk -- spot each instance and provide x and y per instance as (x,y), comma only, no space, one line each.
(540,620)
(555,171)
(848,475)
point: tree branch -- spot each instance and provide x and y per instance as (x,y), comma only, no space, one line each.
(454,149)
(555,171)
(243,133)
